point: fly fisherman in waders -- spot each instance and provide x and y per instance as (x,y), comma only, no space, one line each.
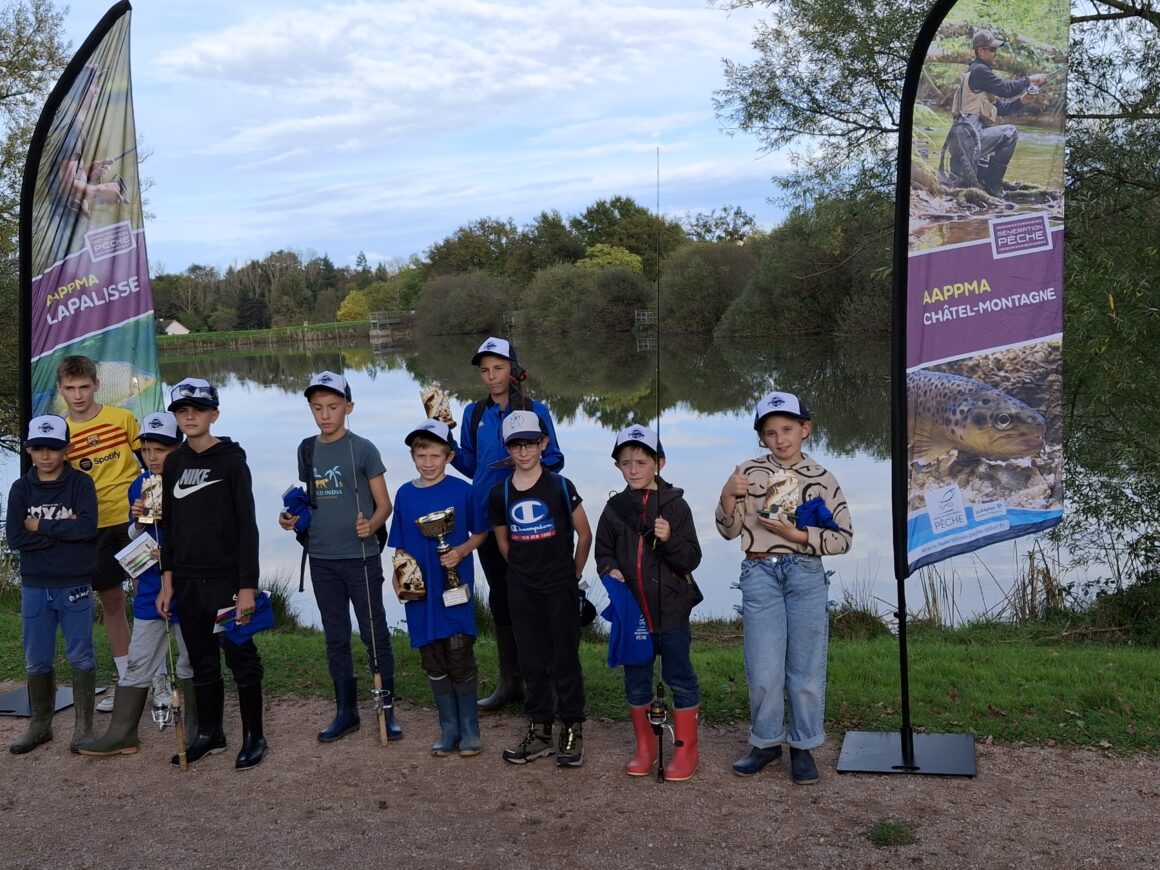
(980,147)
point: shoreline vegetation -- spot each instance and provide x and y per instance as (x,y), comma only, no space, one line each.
(307,335)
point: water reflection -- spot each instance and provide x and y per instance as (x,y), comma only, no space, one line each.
(595,387)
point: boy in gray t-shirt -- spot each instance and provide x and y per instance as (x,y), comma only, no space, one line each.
(350,504)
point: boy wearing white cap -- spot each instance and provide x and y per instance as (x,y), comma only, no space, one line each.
(149,642)
(209,561)
(784,588)
(536,515)
(646,539)
(350,505)
(481,457)
(52,522)
(444,634)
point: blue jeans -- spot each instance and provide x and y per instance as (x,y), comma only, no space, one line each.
(783,611)
(676,670)
(42,610)
(338,584)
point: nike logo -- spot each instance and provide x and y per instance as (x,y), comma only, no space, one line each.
(191,480)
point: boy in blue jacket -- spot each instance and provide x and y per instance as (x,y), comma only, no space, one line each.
(52,522)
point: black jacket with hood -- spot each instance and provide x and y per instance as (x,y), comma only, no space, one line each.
(208,526)
(624,540)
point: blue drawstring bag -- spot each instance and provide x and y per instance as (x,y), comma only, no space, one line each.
(629,640)
(297,504)
(260,620)
(815,513)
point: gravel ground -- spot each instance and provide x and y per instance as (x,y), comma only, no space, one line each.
(355,803)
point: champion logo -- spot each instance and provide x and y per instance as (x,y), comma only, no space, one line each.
(529,511)
(192,480)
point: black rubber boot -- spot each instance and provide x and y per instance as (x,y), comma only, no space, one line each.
(346,719)
(121,736)
(188,711)
(42,701)
(510,688)
(253,740)
(84,685)
(209,737)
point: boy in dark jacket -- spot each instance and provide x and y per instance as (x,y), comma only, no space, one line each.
(209,561)
(52,523)
(646,539)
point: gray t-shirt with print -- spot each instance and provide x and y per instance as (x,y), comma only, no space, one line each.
(342,472)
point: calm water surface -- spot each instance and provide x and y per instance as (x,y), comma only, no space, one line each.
(596,387)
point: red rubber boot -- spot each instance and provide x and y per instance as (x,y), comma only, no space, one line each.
(686,756)
(644,758)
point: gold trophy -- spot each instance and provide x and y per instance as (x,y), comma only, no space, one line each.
(410,577)
(151,500)
(436,525)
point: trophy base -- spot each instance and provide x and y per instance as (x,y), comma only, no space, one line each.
(456,595)
(146,520)
(412,594)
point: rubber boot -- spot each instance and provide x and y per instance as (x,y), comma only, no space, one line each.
(465,692)
(42,701)
(209,737)
(644,756)
(253,740)
(188,710)
(346,720)
(121,736)
(447,707)
(394,729)
(84,686)
(686,755)
(510,688)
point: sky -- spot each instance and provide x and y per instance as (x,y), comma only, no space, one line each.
(382,127)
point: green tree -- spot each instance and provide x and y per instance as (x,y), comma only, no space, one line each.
(481,245)
(623,223)
(468,302)
(546,241)
(353,308)
(557,297)
(617,294)
(731,224)
(601,256)
(700,281)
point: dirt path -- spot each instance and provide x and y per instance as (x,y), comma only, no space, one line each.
(357,804)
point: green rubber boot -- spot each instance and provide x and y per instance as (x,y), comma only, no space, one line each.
(121,738)
(84,685)
(42,700)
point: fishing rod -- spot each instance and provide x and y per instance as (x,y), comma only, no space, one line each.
(383,699)
(176,713)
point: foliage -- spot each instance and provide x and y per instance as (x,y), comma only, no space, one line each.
(602,256)
(468,302)
(729,224)
(623,223)
(354,307)
(891,832)
(701,280)
(546,241)
(481,245)
(616,294)
(554,299)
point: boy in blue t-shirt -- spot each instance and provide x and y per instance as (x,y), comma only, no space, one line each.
(149,644)
(350,505)
(444,635)
(52,522)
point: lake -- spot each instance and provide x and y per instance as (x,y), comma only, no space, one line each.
(595,386)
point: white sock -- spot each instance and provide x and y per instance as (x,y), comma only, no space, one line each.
(122,663)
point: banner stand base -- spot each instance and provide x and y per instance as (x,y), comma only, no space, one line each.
(882,752)
(15,703)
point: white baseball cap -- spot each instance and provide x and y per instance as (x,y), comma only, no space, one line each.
(329,381)
(780,403)
(522,426)
(641,435)
(436,429)
(48,430)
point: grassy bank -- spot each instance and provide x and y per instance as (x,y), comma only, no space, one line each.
(315,333)
(990,682)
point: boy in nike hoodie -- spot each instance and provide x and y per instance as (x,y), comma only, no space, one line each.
(209,561)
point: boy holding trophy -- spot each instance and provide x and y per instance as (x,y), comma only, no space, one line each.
(434,531)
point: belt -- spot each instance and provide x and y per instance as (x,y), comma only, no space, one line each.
(749,554)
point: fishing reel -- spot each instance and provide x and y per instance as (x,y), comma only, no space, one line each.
(383,700)
(658,712)
(164,716)
(1033,90)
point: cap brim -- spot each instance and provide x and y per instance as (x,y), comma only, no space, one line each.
(197,403)
(54,443)
(425,433)
(159,439)
(479,356)
(523,436)
(317,387)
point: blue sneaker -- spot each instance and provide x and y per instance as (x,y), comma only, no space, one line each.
(802,767)
(756,761)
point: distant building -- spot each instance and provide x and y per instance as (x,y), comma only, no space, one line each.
(172,327)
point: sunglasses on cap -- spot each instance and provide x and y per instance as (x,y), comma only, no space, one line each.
(195,391)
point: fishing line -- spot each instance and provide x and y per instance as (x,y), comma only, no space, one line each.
(383,701)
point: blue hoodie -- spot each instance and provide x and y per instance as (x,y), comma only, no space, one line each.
(62,553)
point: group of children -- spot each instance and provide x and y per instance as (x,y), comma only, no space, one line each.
(526,521)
